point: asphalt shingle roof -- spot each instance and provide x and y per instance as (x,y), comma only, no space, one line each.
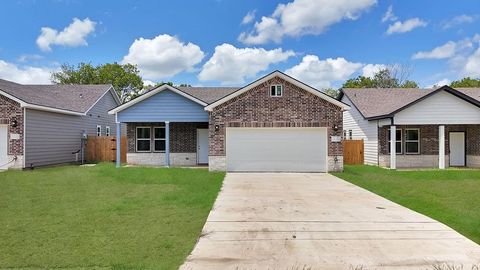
(208,94)
(76,98)
(375,102)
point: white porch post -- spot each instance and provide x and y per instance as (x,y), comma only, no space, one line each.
(393,147)
(167,144)
(118,141)
(441,147)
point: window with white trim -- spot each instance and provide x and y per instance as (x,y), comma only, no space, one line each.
(350,134)
(99,131)
(398,140)
(159,139)
(143,139)
(276,90)
(107,131)
(412,141)
(344,134)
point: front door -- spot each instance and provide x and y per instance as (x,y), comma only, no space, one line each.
(202,146)
(3,145)
(457,148)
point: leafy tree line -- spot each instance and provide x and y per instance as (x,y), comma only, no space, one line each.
(385,79)
(125,78)
(129,84)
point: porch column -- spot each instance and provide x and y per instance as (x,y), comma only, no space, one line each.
(441,147)
(167,144)
(393,147)
(118,140)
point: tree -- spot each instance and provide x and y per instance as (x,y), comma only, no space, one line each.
(391,77)
(124,78)
(466,82)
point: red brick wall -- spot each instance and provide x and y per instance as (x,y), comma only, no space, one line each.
(183,136)
(9,110)
(429,138)
(256,108)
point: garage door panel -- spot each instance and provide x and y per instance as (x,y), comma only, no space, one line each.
(276,149)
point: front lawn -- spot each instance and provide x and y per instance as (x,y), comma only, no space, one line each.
(102,217)
(450,196)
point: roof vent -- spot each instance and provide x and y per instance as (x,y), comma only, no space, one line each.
(81,95)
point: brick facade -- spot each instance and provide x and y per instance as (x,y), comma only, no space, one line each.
(429,138)
(256,108)
(11,110)
(183,136)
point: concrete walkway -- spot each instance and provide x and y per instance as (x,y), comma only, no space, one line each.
(296,221)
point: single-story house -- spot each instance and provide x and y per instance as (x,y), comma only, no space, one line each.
(431,127)
(275,123)
(43,124)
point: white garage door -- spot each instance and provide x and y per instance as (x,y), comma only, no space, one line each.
(276,149)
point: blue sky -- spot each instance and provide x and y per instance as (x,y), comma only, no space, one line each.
(226,42)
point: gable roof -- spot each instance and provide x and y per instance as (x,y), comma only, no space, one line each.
(284,77)
(68,99)
(208,94)
(153,92)
(378,103)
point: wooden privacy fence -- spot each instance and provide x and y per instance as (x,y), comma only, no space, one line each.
(104,148)
(353,152)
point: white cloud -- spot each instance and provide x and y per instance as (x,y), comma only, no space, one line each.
(148,83)
(463,56)
(458,20)
(29,57)
(370,70)
(447,50)
(439,83)
(233,65)
(163,56)
(249,17)
(73,35)
(304,17)
(472,65)
(406,26)
(389,16)
(25,74)
(322,73)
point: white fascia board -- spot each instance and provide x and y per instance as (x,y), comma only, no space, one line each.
(49,109)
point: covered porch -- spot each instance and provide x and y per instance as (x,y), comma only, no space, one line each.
(167,143)
(429,146)
(165,127)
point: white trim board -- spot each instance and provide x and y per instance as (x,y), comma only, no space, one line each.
(284,77)
(152,93)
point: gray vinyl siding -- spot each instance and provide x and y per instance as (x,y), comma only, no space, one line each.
(52,137)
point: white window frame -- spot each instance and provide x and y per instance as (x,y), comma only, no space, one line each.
(143,139)
(417,141)
(159,139)
(107,130)
(276,89)
(345,134)
(99,131)
(350,134)
(396,141)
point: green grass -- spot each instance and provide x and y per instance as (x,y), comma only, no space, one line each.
(449,196)
(101,217)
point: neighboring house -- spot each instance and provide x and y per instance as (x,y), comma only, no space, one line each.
(432,127)
(276,123)
(43,124)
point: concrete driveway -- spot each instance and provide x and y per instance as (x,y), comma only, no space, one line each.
(296,221)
